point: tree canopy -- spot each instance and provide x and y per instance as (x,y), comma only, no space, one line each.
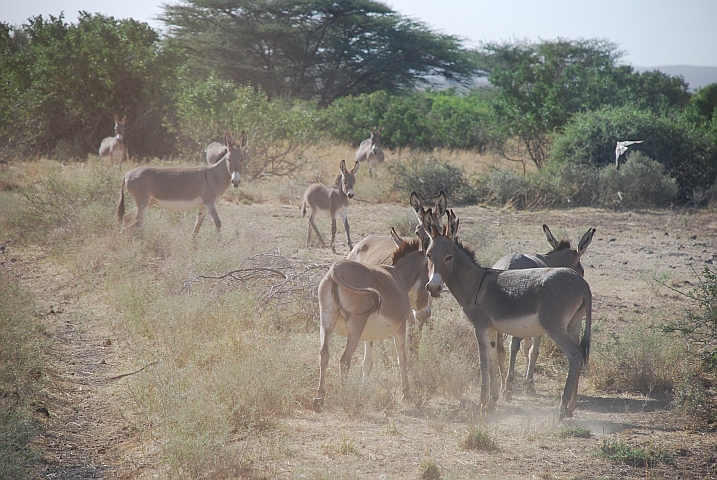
(314,49)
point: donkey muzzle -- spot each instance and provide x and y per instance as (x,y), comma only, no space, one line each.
(435,285)
(236,179)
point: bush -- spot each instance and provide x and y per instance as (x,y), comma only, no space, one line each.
(686,152)
(641,182)
(642,360)
(428,177)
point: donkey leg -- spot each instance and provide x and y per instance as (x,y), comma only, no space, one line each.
(200,218)
(312,224)
(139,217)
(215,216)
(399,338)
(354,327)
(329,314)
(532,360)
(568,400)
(345,218)
(333,233)
(494,368)
(500,352)
(514,347)
(484,347)
(367,359)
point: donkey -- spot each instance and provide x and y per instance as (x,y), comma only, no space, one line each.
(320,197)
(216,151)
(180,189)
(113,148)
(561,256)
(365,303)
(369,151)
(378,250)
(522,303)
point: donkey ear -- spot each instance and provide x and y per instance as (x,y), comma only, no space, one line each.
(356,167)
(551,239)
(441,204)
(585,241)
(116,118)
(428,225)
(453,223)
(227,140)
(124,119)
(244,139)
(342,166)
(396,238)
(379,129)
(416,203)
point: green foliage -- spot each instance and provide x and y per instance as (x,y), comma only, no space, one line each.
(62,84)
(640,182)
(699,327)
(705,101)
(688,154)
(21,367)
(574,431)
(420,120)
(314,50)
(620,451)
(542,85)
(428,177)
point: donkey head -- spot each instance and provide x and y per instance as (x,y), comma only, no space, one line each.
(437,213)
(564,256)
(119,127)
(235,156)
(348,179)
(440,250)
(375,139)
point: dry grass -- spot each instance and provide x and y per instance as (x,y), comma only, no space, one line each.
(230,369)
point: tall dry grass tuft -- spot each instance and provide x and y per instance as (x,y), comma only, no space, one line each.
(641,360)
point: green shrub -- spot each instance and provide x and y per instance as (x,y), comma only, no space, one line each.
(428,177)
(619,451)
(640,182)
(687,153)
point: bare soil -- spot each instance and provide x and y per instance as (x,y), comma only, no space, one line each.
(89,431)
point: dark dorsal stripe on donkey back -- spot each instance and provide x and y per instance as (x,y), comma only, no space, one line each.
(405,249)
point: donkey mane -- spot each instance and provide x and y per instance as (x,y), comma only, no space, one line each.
(405,249)
(562,245)
(468,251)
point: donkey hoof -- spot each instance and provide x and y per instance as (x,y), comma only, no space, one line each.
(318,404)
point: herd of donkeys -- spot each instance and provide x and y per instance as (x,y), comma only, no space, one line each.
(387,283)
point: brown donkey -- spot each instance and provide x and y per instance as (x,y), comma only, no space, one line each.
(562,255)
(523,303)
(366,303)
(113,148)
(333,200)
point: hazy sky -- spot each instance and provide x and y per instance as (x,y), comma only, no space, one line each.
(651,32)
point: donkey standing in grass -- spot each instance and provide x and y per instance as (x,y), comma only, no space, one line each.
(365,303)
(113,148)
(369,151)
(180,189)
(523,303)
(333,200)
(561,256)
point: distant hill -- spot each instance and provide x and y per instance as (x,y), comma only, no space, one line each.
(696,77)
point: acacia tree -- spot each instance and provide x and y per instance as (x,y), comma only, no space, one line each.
(314,49)
(542,85)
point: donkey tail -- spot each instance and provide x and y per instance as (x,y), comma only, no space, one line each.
(585,342)
(303,208)
(120,205)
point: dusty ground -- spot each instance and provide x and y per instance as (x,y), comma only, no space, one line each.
(88,432)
